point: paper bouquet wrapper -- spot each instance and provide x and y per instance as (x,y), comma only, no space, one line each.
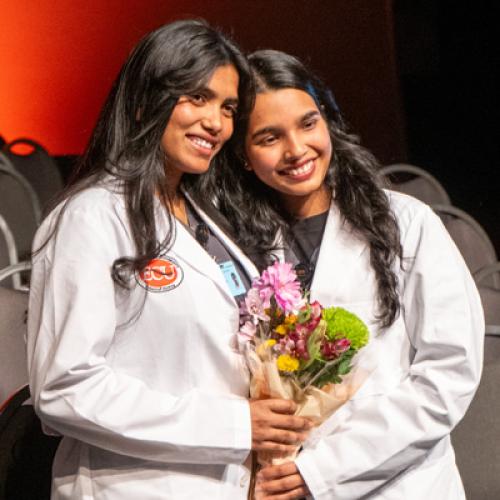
(313,403)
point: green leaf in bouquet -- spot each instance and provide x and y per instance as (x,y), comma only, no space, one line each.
(341,323)
(304,315)
(344,367)
(314,345)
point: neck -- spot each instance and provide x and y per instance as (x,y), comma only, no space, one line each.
(178,207)
(312,204)
(176,203)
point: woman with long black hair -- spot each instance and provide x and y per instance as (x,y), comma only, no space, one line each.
(300,188)
(131,319)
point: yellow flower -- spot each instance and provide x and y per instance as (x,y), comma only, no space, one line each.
(261,350)
(287,363)
(291,319)
(281,329)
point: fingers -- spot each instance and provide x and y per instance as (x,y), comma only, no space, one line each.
(274,428)
(276,471)
(280,482)
(285,406)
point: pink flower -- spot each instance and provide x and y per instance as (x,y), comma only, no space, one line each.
(247,331)
(280,280)
(334,348)
(253,306)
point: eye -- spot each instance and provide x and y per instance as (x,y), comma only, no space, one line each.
(268,140)
(310,123)
(197,99)
(229,110)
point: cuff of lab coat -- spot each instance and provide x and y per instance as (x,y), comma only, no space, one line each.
(242,427)
(311,474)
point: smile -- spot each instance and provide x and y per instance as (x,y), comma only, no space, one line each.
(201,143)
(301,171)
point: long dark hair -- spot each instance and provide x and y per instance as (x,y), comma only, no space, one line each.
(176,59)
(256,213)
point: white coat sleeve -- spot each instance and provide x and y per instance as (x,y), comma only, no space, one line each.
(72,322)
(388,433)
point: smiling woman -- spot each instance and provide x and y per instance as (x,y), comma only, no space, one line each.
(299,188)
(291,151)
(200,124)
(131,320)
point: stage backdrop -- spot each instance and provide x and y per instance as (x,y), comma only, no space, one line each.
(58,58)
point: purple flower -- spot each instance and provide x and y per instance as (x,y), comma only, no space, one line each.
(280,280)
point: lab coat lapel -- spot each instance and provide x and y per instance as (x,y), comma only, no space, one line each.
(233,249)
(339,260)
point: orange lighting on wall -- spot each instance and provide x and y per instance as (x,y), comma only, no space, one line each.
(58,60)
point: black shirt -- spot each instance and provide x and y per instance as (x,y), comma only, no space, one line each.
(304,245)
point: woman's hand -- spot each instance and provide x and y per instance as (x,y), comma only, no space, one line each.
(280,482)
(274,427)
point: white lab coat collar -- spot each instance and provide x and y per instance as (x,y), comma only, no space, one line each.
(338,257)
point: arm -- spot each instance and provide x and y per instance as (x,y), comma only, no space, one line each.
(386,434)
(72,325)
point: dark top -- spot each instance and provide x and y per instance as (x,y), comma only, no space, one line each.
(234,273)
(304,245)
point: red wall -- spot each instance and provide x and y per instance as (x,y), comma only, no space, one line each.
(58,58)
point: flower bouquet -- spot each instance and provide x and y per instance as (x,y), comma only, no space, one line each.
(297,349)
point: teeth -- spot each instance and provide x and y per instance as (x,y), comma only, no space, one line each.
(301,170)
(202,142)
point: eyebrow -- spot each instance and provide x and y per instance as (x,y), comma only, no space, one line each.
(211,94)
(273,129)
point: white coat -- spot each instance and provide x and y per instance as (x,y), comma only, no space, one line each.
(151,406)
(392,440)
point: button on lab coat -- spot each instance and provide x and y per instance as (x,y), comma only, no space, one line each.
(152,402)
(391,441)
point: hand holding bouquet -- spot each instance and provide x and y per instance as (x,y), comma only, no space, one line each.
(296,349)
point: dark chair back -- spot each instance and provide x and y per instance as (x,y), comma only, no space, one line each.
(415,181)
(26,453)
(37,167)
(477,437)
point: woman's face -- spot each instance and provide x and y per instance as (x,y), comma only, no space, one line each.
(288,147)
(200,124)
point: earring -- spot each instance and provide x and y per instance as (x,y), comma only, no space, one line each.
(246,166)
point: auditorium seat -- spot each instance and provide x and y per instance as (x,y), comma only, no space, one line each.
(20,208)
(476,437)
(35,164)
(490,296)
(415,181)
(471,239)
(26,453)
(13,328)
(8,253)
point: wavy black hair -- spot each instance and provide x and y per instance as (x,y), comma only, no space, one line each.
(176,59)
(256,213)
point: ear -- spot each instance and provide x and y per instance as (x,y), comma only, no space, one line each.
(247,166)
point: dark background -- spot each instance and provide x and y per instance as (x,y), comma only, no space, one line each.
(447,58)
(415,79)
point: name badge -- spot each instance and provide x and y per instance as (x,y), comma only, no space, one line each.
(232,278)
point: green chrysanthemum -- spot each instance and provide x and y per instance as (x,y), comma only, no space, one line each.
(344,324)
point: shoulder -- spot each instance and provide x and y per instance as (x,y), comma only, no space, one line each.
(422,231)
(96,212)
(411,214)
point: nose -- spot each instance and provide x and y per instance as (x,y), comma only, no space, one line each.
(295,148)
(212,121)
